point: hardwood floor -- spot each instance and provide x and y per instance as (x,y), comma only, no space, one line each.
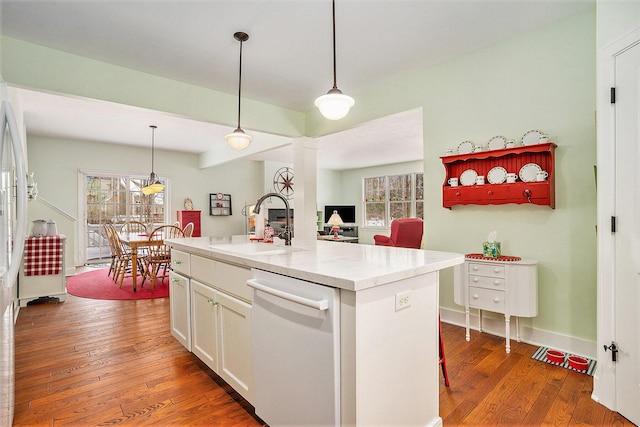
(103,363)
(490,387)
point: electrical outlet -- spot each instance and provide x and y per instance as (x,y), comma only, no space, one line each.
(403,300)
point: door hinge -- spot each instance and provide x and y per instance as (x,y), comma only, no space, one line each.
(613,95)
(613,224)
(614,351)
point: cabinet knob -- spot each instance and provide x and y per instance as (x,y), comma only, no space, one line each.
(475,268)
(175,280)
(475,279)
(497,282)
(177,261)
(213,302)
(496,270)
(475,296)
(457,193)
(496,299)
(489,192)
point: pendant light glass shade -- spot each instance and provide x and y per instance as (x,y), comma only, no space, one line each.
(238,139)
(153,184)
(334,105)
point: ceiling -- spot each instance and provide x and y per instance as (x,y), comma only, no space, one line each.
(286,62)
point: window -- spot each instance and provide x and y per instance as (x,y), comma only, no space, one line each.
(115,200)
(390,197)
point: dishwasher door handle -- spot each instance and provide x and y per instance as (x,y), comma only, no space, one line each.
(321,305)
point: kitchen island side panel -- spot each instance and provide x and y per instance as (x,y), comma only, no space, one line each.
(389,357)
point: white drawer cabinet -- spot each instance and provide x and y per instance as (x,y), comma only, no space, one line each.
(507,287)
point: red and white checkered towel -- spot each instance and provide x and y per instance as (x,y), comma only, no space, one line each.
(42,255)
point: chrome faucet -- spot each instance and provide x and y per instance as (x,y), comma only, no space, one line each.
(286,234)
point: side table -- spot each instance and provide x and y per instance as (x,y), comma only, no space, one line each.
(506,285)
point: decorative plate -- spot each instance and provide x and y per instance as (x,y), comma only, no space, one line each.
(532,137)
(497,175)
(497,142)
(466,147)
(468,177)
(528,172)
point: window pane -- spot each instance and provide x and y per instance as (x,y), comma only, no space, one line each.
(419,186)
(374,215)
(374,189)
(400,187)
(420,210)
(399,210)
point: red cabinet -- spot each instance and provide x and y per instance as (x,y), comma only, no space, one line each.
(511,159)
(185,217)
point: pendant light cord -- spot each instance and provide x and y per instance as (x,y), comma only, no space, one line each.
(333,3)
(240,83)
(153,134)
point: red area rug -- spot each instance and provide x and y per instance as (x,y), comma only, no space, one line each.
(97,285)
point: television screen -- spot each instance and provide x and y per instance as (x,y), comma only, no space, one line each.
(346,212)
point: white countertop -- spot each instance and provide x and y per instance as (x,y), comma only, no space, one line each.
(342,265)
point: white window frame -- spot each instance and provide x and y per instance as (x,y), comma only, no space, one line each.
(387,201)
(82,205)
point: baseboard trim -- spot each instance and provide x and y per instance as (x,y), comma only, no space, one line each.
(539,337)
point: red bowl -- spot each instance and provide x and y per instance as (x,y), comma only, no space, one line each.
(555,356)
(578,363)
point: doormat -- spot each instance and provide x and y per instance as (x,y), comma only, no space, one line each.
(541,355)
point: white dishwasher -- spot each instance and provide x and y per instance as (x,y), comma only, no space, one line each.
(296,351)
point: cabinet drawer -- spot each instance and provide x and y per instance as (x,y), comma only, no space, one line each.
(486,299)
(490,270)
(202,269)
(180,262)
(487,282)
(228,278)
(233,280)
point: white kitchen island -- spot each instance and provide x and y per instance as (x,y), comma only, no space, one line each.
(386,356)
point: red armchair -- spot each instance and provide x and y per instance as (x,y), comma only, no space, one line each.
(405,233)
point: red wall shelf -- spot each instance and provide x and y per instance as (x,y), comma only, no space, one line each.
(512,159)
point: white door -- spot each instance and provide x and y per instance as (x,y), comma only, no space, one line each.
(627,236)
(235,355)
(180,301)
(203,324)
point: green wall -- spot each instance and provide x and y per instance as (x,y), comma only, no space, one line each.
(542,80)
(56,163)
(37,67)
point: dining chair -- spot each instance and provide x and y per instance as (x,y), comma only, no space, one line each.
(123,257)
(107,229)
(159,257)
(133,227)
(188,229)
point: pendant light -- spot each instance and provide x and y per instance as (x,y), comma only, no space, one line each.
(153,184)
(239,140)
(334,105)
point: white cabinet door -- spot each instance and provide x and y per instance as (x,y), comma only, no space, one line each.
(203,321)
(180,302)
(235,354)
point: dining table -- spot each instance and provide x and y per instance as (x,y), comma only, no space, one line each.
(137,240)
